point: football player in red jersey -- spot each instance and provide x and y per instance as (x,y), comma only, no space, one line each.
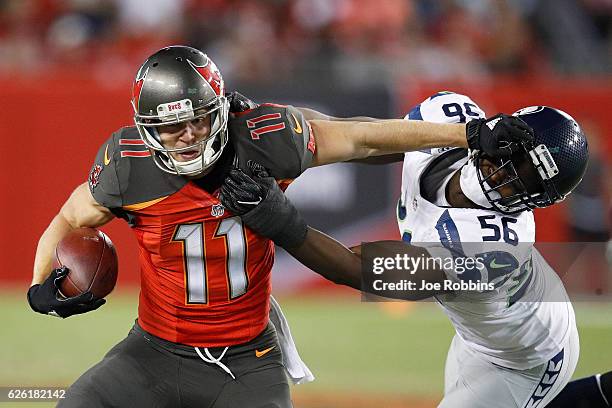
(203,336)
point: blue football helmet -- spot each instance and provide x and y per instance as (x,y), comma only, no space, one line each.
(543,173)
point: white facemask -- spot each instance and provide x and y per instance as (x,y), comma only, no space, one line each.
(471,187)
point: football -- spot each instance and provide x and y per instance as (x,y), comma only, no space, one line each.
(91,260)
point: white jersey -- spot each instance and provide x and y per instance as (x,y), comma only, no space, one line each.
(526,317)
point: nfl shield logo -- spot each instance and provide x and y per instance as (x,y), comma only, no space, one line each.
(217,210)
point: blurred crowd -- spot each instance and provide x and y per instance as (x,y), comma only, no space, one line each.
(357,41)
(260,40)
(342,52)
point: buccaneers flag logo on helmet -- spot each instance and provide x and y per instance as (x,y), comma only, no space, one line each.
(211,74)
(137,88)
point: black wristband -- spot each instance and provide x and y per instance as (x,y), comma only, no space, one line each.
(472,130)
(287,228)
(32,289)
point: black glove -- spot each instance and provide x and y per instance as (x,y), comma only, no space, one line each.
(45,298)
(263,206)
(500,135)
(239,103)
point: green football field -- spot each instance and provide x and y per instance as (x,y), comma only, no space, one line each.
(358,351)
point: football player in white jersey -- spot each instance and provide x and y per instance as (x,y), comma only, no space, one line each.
(516,342)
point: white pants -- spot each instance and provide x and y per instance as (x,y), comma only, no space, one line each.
(472,382)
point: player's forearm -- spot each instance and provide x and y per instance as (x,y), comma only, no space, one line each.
(311,114)
(80,210)
(342,141)
(399,135)
(329,258)
(56,230)
(402,262)
(339,264)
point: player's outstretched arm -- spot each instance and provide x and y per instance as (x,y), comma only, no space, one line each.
(264,208)
(311,114)
(80,210)
(371,140)
(343,141)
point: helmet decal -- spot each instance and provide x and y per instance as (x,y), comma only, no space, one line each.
(177,110)
(528,110)
(137,88)
(211,74)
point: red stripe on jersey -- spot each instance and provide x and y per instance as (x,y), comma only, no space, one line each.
(135,153)
(274,105)
(243,112)
(131,142)
(266,129)
(251,122)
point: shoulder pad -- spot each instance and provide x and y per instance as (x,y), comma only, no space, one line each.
(276,136)
(103,181)
(446,107)
(124,174)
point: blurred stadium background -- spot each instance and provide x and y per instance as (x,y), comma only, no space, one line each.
(66,68)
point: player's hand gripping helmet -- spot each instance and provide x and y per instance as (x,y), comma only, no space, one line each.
(178,84)
(541,174)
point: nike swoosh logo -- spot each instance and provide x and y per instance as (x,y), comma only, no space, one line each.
(298,127)
(106,159)
(263,352)
(495,265)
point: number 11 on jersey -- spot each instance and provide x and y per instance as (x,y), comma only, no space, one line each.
(194,255)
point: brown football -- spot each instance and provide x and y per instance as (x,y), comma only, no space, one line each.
(91,260)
